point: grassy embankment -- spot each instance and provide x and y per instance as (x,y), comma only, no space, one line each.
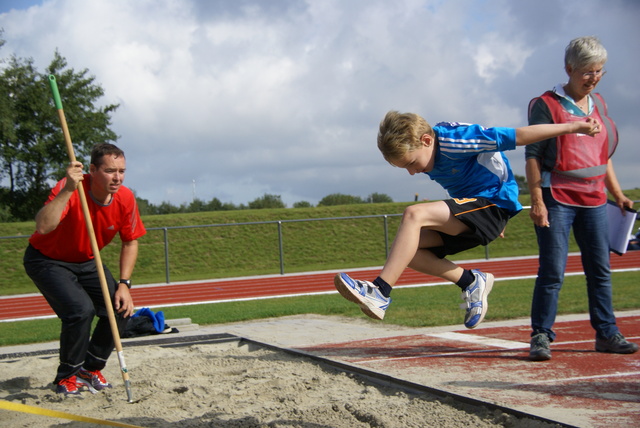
(217,252)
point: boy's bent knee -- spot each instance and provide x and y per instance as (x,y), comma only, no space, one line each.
(427,214)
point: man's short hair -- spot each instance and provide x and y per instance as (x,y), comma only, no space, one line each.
(99,151)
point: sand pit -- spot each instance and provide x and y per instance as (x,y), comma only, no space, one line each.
(232,384)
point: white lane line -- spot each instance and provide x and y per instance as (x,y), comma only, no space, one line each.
(577,378)
(480,340)
(460,337)
(421,356)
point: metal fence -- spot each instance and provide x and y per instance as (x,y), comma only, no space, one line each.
(279,223)
(281,241)
(214,252)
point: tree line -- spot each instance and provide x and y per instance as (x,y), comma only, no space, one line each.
(262,202)
(32,148)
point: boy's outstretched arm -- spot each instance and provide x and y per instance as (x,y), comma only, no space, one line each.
(534,133)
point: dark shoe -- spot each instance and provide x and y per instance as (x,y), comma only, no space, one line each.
(68,387)
(616,344)
(540,348)
(93,380)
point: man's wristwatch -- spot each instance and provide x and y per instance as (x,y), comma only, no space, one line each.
(126,282)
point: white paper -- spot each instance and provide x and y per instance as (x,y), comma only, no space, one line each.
(620,227)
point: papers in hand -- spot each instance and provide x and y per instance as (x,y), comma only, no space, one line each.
(620,227)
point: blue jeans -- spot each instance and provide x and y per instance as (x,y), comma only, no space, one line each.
(590,229)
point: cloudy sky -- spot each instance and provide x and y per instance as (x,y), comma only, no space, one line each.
(235,99)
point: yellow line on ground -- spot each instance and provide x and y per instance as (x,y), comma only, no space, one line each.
(23,408)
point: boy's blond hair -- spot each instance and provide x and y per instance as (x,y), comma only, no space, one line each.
(400,133)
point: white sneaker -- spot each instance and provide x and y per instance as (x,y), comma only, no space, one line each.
(372,302)
(475,298)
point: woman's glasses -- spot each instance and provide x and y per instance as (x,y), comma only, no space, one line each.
(594,74)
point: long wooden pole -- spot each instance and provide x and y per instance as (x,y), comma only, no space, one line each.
(94,242)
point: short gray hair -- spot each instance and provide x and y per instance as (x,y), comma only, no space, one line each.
(583,52)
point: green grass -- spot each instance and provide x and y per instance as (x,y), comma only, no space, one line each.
(232,250)
(413,307)
(240,249)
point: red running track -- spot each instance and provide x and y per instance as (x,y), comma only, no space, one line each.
(162,295)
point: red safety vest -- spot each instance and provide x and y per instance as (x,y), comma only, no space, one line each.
(578,178)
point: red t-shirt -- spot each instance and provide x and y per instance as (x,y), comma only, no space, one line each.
(70,242)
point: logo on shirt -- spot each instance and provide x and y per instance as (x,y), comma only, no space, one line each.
(112,227)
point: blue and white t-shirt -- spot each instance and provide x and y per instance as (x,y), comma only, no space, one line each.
(469,163)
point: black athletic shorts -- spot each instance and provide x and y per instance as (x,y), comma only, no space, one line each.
(485,220)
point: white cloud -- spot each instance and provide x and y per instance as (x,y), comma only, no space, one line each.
(284,97)
(495,56)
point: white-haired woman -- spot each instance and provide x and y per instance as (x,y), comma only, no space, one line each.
(567,178)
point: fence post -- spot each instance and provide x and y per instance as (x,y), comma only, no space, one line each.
(386,237)
(166,253)
(280,247)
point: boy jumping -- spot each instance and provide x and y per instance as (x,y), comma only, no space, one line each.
(467,161)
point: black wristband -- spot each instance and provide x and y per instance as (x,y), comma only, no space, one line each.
(126,282)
